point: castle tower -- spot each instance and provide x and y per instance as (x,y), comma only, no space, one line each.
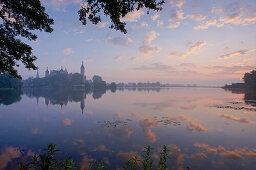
(82,105)
(82,71)
(37,74)
(47,73)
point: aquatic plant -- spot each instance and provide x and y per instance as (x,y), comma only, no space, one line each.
(163,159)
(47,161)
(147,161)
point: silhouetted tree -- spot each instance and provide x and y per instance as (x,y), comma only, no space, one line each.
(19,18)
(115,10)
(250,78)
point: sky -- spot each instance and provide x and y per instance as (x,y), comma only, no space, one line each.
(204,42)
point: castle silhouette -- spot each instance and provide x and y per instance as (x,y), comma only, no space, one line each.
(62,71)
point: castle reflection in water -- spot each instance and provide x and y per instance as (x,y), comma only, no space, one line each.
(62,96)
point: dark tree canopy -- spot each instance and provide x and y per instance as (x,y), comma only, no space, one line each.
(250,79)
(18,19)
(115,10)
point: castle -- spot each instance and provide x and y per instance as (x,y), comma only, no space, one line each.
(61,71)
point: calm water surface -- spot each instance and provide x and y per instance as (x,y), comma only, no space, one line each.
(204,128)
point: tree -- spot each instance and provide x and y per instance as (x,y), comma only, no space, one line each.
(115,10)
(250,78)
(19,19)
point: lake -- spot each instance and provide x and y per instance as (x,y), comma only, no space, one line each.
(203,128)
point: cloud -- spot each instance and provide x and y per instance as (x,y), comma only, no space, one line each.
(233,13)
(193,124)
(150,37)
(178,158)
(176,15)
(173,147)
(147,124)
(86,162)
(155,17)
(235,154)
(7,156)
(67,122)
(68,51)
(127,155)
(78,31)
(193,48)
(133,16)
(144,24)
(177,3)
(146,48)
(240,52)
(34,131)
(173,25)
(207,24)
(133,58)
(172,54)
(118,115)
(187,65)
(123,41)
(199,156)
(238,119)
(207,148)
(231,19)
(118,57)
(197,16)
(100,148)
(226,48)
(156,66)
(232,154)
(101,25)
(160,23)
(120,131)
(134,114)
(78,142)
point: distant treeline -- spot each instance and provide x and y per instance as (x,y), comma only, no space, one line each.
(152,85)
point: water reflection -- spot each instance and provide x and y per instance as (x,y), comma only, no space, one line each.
(118,125)
(249,95)
(8,97)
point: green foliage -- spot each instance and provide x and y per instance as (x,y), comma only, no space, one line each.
(133,163)
(19,19)
(250,79)
(115,10)
(147,161)
(95,165)
(47,161)
(162,164)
